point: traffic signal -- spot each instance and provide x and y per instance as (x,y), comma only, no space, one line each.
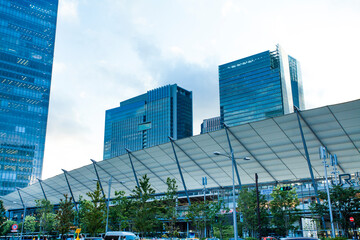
(216,219)
(285,188)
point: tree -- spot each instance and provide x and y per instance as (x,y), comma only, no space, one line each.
(30,224)
(145,207)
(217,217)
(345,203)
(45,216)
(65,215)
(169,212)
(284,210)
(93,212)
(120,213)
(2,213)
(196,214)
(6,227)
(247,204)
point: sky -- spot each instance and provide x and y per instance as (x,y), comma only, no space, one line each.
(111,50)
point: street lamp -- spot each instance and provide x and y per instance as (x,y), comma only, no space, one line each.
(233,187)
(23,220)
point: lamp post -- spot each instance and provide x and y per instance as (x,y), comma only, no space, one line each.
(233,188)
(23,220)
(107,206)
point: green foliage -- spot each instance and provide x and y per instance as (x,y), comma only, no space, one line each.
(65,215)
(284,211)
(168,208)
(226,233)
(30,224)
(144,208)
(45,216)
(196,215)
(93,212)
(345,203)
(247,204)
(251,238)
(6,227)
(120,213)
(2,213)
(217,219)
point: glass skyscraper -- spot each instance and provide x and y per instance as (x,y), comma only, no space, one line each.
(27,36)
(210,125)
(148,120)
(261,86)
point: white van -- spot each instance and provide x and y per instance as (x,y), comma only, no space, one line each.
(117,235)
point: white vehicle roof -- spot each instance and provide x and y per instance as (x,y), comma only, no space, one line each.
(118,233)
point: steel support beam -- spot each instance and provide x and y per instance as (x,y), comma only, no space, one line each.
(309,163)
(232,156)
(21,199)
(121,182)
(251,155)
(197,163)
(72,195)
(179,168)
(298,112)
(132,166)
(97,176)
(147,167)
(42,188)
(358,149)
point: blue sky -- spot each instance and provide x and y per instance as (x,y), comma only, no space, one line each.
(111,50)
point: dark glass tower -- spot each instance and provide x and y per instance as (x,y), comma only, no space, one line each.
(27,36)
(148,120)
(261,86)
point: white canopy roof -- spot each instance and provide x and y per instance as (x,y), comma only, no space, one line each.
(274,146)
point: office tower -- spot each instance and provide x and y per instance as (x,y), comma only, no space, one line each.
(261,86)
(210,125)
(148,120)
(27,36)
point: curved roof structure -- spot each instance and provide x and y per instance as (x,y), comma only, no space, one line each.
(274,146)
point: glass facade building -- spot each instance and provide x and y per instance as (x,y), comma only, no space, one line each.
(210,125)
(27,37)
(148,120)
(261,86)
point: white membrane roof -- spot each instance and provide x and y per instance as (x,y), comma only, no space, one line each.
(274,146)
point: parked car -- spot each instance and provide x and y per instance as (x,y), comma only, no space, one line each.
(117,235)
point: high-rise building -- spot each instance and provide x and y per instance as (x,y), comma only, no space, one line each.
(148,120)
(261,86)
(27,37)
(210,125)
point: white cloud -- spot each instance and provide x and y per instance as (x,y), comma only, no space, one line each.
(68,10)
(121,49)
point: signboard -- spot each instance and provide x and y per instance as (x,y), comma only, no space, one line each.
(14,227)
(266,191)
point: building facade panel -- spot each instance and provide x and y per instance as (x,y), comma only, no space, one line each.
(258,87)
(27,37)
(148,120)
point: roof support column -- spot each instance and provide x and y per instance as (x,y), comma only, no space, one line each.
(72,195)
(181,175)
(232,156)
(42,189)
(132,166)
(97,176)
(22,202)
(309,162)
